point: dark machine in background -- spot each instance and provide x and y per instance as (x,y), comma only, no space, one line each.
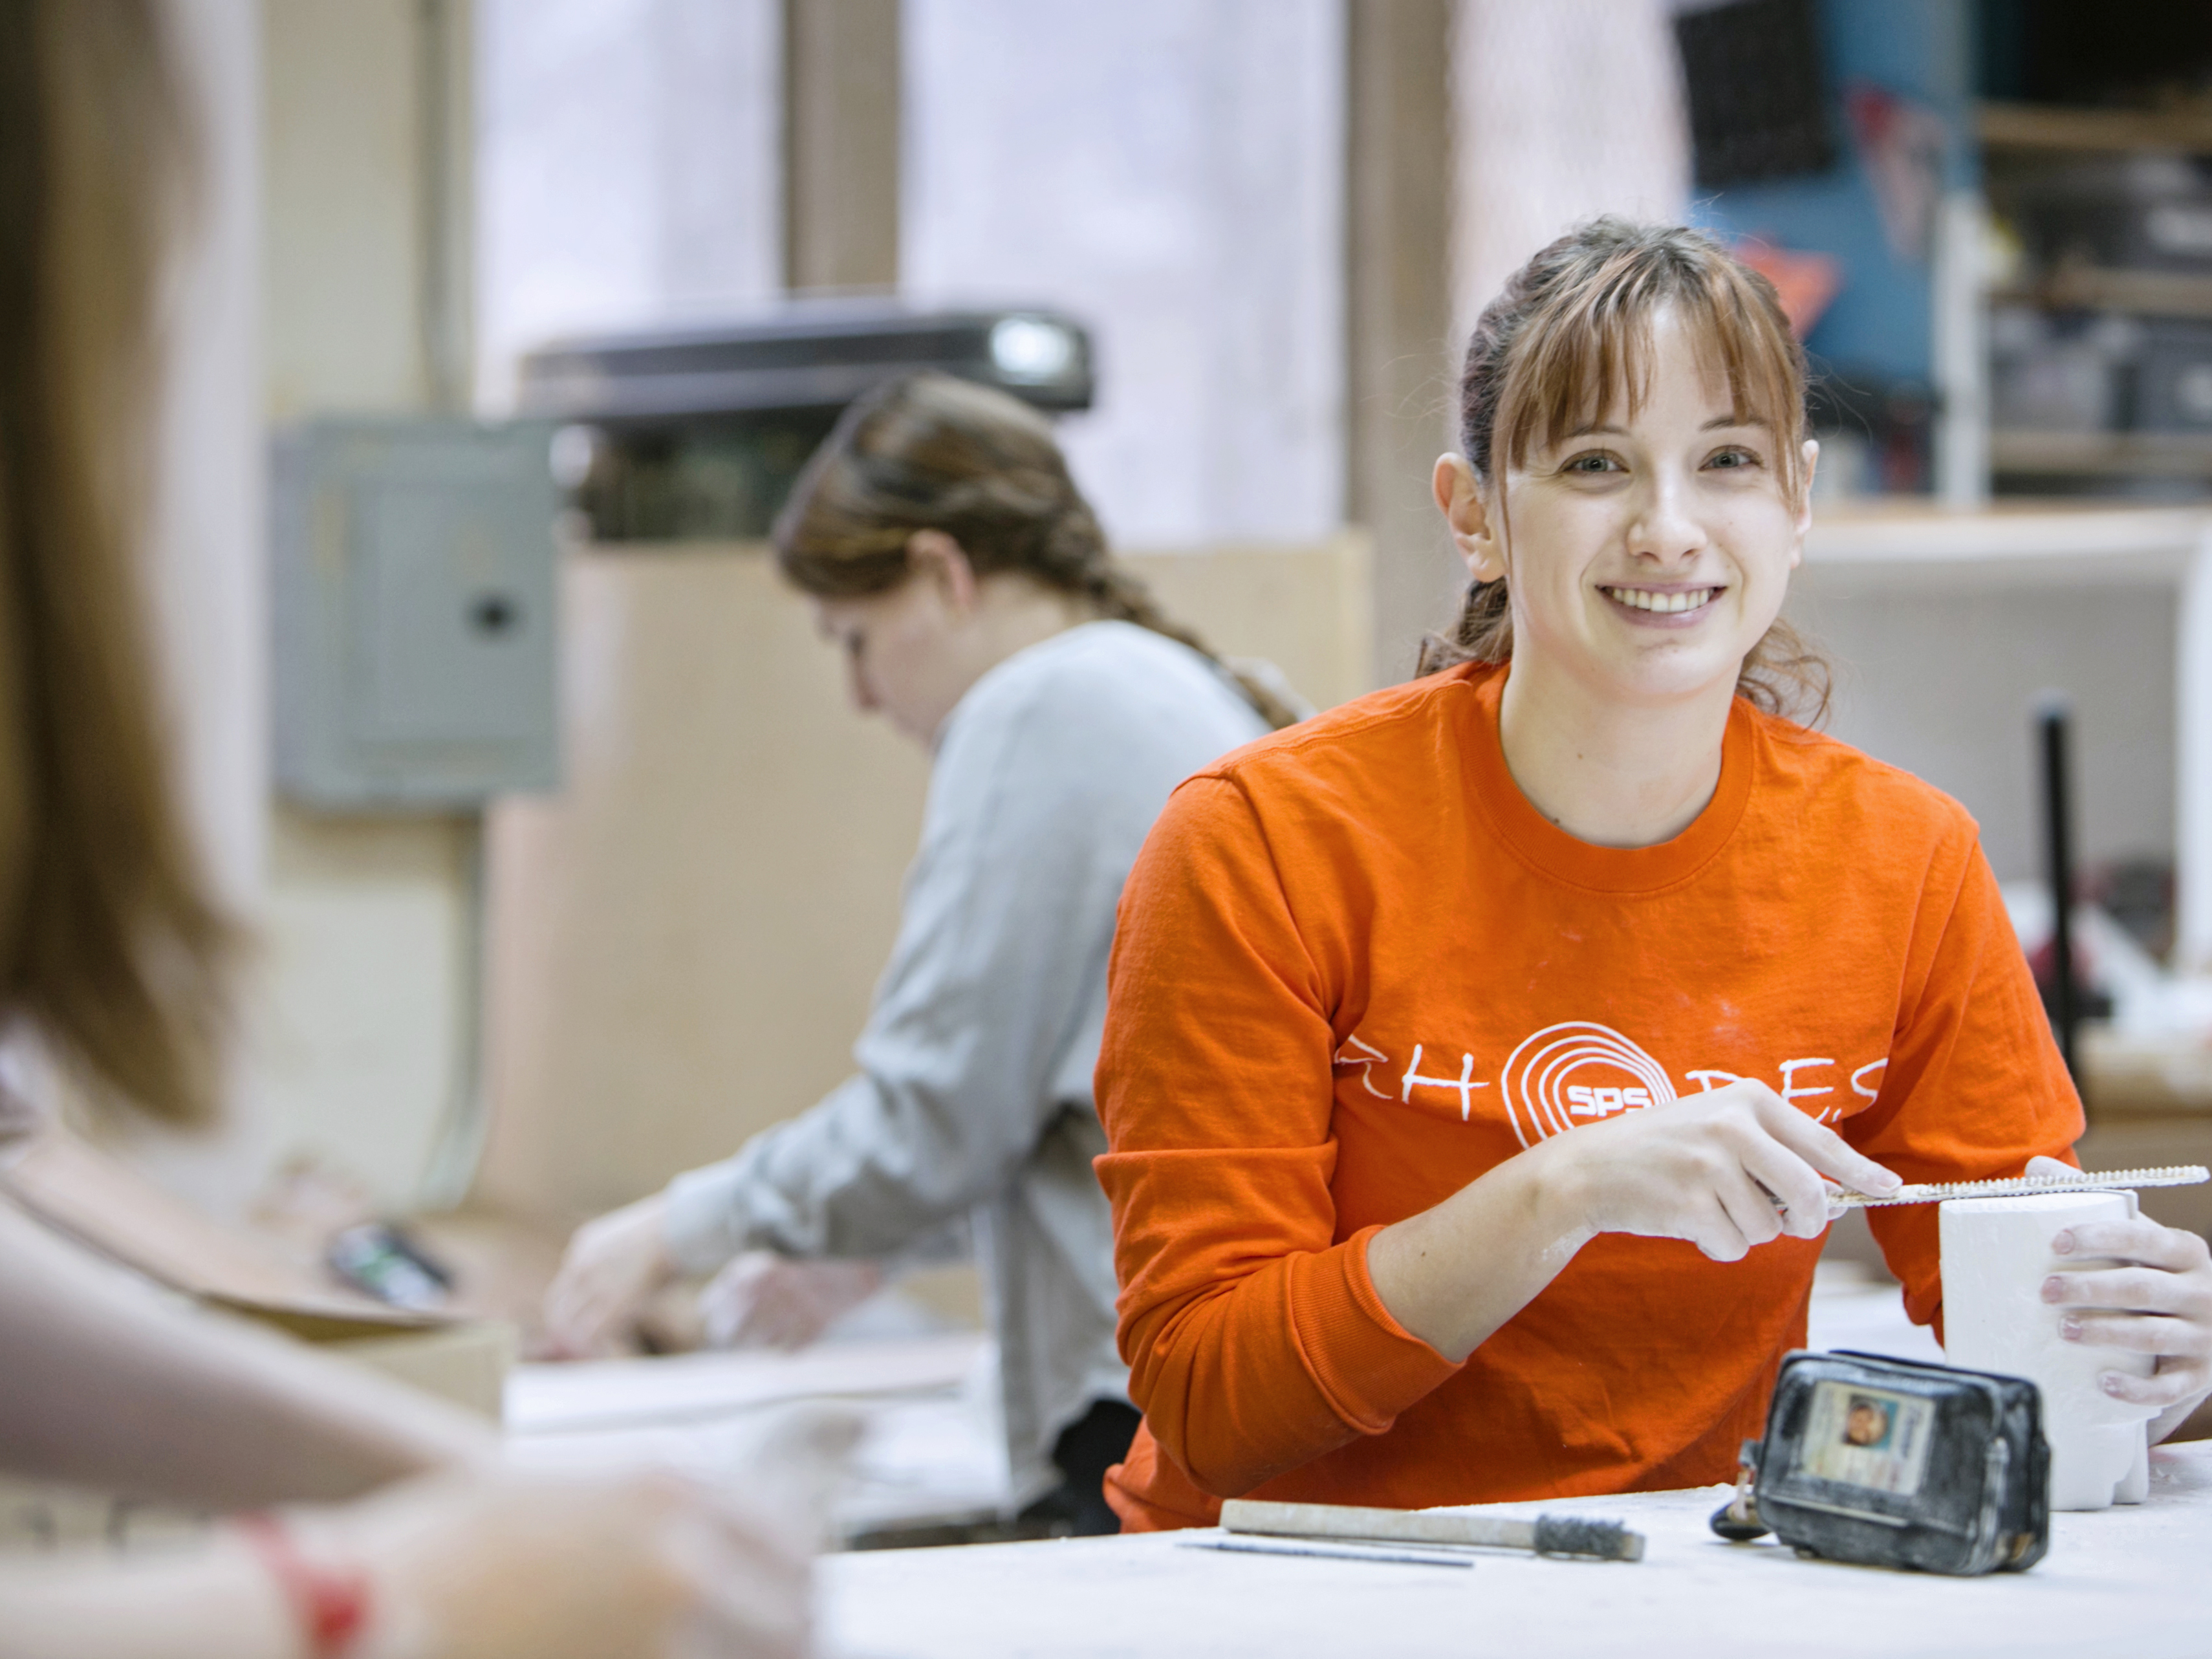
(698,435)
(1759,96)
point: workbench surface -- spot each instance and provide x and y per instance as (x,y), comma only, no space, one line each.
(2133,1582)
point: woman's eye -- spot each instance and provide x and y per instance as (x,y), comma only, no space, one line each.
(1587,465)
(1733,459)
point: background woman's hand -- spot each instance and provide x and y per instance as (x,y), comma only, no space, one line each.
(1729,1172)
(527,1566)
(612,1269)
(763,1300)
(2149,1292)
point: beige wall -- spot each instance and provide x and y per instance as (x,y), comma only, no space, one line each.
(682,943)
(339,173)
(363,1010)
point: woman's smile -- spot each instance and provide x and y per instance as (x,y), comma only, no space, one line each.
(1645,605)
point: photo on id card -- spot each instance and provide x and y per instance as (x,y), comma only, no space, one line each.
(1868,1438)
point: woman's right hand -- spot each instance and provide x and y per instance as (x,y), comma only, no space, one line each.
(613,1266)
(515,1565)
(1728,1171)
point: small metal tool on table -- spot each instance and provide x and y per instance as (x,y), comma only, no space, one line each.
(1410,1537)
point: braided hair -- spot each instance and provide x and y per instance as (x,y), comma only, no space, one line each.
(929,452)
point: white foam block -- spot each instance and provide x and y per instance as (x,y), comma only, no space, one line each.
(1997,1255)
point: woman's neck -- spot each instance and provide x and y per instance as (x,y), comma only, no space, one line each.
(1014,612)
(1609,773)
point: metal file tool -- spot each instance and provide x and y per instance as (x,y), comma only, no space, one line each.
(2084,1180)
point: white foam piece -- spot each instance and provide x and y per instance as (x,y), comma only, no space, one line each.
(1997,1255)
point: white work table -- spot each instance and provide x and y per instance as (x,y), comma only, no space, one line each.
(2134,1582)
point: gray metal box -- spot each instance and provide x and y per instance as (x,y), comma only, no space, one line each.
(416,612)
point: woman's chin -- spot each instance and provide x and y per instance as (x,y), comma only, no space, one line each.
(1670,671)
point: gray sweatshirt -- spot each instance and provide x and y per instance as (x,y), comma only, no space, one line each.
(973,1096)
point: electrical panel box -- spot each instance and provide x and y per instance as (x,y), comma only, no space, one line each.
(416,612)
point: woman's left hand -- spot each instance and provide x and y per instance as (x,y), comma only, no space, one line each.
(2157,1300)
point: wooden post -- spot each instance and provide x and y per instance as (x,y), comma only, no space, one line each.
(1399,379)
(841,207)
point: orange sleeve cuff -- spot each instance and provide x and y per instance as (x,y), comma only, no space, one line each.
(1367,1364)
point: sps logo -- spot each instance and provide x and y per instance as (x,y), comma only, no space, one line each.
(1541,1097)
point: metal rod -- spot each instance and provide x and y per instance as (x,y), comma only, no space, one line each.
(2053,712)
(1546,1534)
(1345,1551)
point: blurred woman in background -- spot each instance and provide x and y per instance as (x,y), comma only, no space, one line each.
(115,953)
(947,551)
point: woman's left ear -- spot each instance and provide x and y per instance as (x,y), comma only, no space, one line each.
(936,556)
(1812,458)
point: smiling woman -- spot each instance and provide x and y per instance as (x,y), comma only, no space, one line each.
(1480,1055)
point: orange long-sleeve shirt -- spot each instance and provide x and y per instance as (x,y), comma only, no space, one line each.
(1355,969)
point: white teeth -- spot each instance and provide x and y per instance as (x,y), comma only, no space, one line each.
(1643,598)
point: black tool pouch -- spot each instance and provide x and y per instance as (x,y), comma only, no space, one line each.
(1893,1463)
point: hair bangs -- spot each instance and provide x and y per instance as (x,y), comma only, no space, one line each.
(1586,351)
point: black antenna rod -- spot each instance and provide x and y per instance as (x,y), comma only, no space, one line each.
(2053,713)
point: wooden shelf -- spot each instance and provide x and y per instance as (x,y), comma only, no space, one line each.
(2140,454)
(2144,293)
(2008,540)
(2047,127)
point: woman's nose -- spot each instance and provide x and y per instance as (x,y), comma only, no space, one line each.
(1664,528)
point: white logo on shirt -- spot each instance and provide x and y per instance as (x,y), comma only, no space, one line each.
(1544,1095)
(1541,1100)
(1464,1082)
(1359,1056)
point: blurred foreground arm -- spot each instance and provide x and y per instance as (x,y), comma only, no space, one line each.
(467,1566)
(111,1385)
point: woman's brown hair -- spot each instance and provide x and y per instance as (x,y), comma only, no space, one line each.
(1571,331)
(930,452)
(110,943)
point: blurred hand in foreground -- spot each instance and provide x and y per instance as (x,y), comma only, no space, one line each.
(524,1566)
